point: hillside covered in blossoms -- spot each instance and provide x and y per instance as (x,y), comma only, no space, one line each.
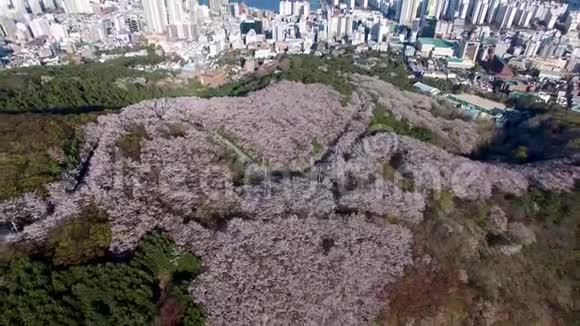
(304,208)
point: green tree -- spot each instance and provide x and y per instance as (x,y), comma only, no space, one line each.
(130,144)
(521,154)
(80,239)
(132,293)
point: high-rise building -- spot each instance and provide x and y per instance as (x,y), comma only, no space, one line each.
(235,9)
(422,8)
(332,27)
(551,18)
(306,8)
(572,21)
(541,12)
(49,4)
(214,5)
(407,11)
(4,6)
(478,12)
(188,5)
(178,27)
(19,5)
(39,27)
(296,8)
(155,16)
(483,12)
(464,7)
(175,14)
(279,31)
(35,6)
(7,27)
(181,32)
(22,32)
(435,8)
(300,8)
(379,32)
(285,7)
(218,6)
(443,28)
(343,27)
(520,10)
(77,6)
(452,8)
(491,11)
(505,15)
(528,19)
(531,48)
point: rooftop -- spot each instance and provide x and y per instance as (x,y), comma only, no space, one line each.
(426,88)
(453,59)
(476,101)
(436,42)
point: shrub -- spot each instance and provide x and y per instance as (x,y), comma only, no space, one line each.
(177,130)
(384,120)
(80,239)
(130,144)
(390,172)
(35,149)
(235,164)
(316,147)
(521,154)
(442,203)
(157,255)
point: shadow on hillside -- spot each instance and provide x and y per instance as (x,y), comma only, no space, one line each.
(61,110)
(542,136)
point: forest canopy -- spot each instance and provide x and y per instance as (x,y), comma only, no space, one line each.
(150,288)
(87,87)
